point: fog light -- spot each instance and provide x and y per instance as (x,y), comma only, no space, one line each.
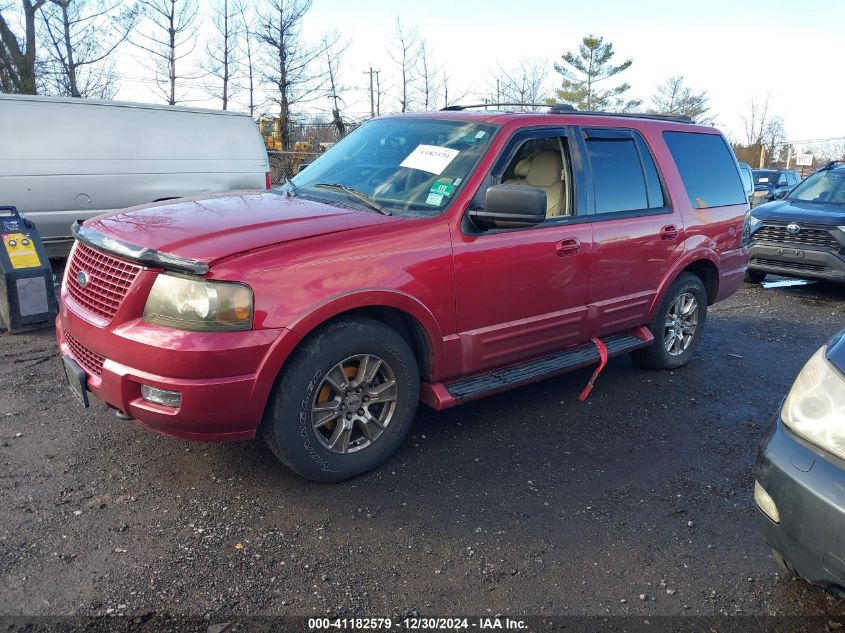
(161,396)
(766,503)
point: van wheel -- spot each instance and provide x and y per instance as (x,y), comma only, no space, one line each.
(754,276)
(677,325)
(344,402)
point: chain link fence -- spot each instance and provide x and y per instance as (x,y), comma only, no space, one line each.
(284,165)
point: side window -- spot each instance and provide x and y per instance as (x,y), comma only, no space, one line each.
(782,179)
(624,174)
(791,179)
(707,168)
(542,163)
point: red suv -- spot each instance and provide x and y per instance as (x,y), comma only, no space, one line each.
(438,257)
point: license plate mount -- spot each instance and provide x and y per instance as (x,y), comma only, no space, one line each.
(77,380)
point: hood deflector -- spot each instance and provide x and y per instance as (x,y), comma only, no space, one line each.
(147,256)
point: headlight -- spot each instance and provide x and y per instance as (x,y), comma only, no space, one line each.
(195,304)
(749,223)
(815,407)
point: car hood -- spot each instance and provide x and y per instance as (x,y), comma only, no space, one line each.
(795,211)
(208,229)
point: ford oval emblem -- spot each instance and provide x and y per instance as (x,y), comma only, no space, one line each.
(82,278)
(793,229)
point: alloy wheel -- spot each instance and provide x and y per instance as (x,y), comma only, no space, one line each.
(354,404)
(681,324)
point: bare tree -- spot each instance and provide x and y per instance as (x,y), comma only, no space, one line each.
(524,83)
(17,59)
(81,36)
(763,130)
(248,35)
(404,51)
(333,50)
(169,37)
(221,50)
(290,68)
(675,98)
(429,76)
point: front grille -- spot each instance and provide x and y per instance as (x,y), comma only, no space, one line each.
(815,238)
(778,263)
(109,278)
(90,361)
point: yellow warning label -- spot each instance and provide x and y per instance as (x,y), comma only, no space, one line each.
(21,250)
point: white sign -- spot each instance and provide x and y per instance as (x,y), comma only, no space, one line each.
(804,160)
(431,158)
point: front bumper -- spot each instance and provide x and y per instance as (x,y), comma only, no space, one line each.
(797,262)
(224,378)
(808,486)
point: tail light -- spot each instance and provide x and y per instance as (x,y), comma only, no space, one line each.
(268,180)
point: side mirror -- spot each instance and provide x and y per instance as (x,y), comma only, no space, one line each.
(781,193)
(301,167)
(511,206)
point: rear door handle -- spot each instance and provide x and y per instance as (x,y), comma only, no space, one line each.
(568,247)
(669,232)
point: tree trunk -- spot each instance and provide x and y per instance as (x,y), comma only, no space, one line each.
(71,65)
(172,61)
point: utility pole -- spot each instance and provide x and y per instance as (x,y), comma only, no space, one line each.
(762,155)
(372,72)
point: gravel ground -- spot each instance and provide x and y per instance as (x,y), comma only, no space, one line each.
(637,502)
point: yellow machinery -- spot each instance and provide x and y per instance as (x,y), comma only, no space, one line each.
(271,131)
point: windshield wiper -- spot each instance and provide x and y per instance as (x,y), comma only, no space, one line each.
(291,192)
(354,193)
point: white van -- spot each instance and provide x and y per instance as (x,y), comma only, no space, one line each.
(64,159)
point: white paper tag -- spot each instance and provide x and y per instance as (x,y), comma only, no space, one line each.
(434,199)
(431,158)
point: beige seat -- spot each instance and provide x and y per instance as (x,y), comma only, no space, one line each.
(545,171)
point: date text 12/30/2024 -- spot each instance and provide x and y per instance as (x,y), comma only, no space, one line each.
(417,624)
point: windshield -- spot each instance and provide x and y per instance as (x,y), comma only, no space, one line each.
(762,177)
(400,164)
(823,186)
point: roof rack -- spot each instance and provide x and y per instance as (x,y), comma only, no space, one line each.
(831,165)
(453,108)
(566,108)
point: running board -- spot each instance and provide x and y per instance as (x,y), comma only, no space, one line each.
(442,396)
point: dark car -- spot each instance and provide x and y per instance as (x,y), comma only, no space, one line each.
(802,235)
(772,184)
(799,483)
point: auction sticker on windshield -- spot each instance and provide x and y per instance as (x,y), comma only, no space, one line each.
(431,158)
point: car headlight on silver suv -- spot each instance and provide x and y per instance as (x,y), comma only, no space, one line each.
(815,407)
(198,305)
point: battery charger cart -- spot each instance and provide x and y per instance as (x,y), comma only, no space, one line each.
(27,295)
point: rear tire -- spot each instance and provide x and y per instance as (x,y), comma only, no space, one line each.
(677,325)
(327,423)
(754,276)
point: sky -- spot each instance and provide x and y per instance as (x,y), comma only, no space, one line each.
(735,50)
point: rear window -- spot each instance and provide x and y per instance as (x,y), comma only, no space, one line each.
(624,175)
(707,167)
(762,177)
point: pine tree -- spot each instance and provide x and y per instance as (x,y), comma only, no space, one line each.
(582,72)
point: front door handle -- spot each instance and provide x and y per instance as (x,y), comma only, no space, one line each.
(568,247)
(669,232)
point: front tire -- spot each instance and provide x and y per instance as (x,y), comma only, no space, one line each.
(677,325)
(344,402)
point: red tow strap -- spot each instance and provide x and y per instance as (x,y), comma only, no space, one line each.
(603,356)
